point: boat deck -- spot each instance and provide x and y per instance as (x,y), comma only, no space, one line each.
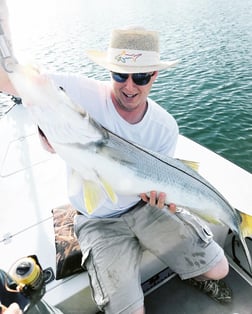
(177,297)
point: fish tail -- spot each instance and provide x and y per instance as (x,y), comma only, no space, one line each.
(245,230)
(246,225)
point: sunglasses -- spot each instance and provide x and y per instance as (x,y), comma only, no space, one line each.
(140,79)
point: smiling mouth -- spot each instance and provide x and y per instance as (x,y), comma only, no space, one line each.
(129,95)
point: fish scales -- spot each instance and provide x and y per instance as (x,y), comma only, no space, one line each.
(170,175)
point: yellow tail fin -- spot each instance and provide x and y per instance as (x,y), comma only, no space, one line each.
(246,225)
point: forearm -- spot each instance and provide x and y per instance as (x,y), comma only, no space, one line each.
(5,84)
(6,51)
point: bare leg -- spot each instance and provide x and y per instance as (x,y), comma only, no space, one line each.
(211,284)
(219,271)
(139,311)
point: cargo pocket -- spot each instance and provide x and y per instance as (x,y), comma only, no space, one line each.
(201,229)
(98,290)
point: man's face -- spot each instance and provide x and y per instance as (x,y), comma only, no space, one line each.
(130,90)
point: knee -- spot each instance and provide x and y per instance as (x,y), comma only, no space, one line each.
(219,271)
(139,311)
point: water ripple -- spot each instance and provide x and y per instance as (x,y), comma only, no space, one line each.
(209,92)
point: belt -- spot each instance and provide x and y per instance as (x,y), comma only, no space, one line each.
(139,204)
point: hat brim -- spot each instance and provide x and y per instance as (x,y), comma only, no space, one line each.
(100,58)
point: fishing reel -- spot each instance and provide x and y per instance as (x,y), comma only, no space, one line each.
(26,278)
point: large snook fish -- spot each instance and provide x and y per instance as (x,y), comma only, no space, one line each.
(110,165)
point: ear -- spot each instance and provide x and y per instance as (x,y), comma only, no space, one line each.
(155,75)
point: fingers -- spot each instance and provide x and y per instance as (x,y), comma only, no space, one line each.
(13,309)
(144,197)
(153,198)
(158,200)
(172,208)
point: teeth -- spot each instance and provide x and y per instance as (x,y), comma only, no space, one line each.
(125,94)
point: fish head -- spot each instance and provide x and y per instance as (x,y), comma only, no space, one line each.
(61,120)
(34,87)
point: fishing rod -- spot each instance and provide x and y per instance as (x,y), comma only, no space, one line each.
(6,53)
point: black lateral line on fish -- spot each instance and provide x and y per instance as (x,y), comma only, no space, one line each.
(156,156)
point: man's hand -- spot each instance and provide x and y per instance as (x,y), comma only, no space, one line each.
(44,142)
(157,200)
(12,309)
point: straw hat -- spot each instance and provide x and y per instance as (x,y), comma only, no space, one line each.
(131,50)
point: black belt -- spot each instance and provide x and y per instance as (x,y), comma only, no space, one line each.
(138,204)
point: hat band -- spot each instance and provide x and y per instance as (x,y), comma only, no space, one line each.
(129,57)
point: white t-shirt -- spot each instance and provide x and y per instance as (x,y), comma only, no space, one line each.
(157,131)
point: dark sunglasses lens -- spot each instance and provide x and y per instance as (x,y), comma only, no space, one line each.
(119,77)
(141,78)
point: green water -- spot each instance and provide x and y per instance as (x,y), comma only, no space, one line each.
(209,92)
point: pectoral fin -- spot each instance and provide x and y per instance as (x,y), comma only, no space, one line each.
(109,190)
(210,219)
(93,195)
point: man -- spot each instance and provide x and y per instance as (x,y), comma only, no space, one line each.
(112,239)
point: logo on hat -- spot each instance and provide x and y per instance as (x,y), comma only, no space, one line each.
(124,57)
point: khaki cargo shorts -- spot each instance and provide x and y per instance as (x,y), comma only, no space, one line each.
(112,251)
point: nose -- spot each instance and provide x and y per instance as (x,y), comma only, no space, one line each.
(129,84)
